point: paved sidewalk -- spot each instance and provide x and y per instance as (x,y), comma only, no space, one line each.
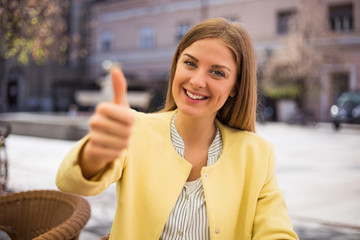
(318,170)
(319,173)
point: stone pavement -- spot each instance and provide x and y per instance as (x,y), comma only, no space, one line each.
(318,171)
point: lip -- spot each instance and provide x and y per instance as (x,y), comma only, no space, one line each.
(194,100)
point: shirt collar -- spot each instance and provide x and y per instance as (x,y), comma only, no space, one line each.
(215,148)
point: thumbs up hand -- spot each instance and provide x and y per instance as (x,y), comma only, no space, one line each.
(119,87)
(110,129)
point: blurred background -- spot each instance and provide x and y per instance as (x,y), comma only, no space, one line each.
(54,54)
(54,61)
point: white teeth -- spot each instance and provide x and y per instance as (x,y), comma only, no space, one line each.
(195,97)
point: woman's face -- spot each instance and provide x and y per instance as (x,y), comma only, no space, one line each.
(205,77)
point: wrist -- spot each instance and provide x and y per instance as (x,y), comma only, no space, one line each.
(89,164)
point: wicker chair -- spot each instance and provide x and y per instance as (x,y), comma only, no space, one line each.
(43,214)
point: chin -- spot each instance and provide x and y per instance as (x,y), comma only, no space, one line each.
(189,111)
(194,112)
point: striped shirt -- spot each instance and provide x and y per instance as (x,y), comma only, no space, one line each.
(188,219)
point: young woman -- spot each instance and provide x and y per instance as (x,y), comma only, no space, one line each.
(196,170)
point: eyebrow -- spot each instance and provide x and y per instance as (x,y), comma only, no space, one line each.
(192,57)
(197,60)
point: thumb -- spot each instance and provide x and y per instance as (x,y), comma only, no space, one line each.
(119,87)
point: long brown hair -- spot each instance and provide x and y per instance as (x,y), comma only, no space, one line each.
(238,111)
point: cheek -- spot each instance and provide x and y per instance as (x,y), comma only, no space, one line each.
(176,85)
(225,90)
(179,77)
(224,93)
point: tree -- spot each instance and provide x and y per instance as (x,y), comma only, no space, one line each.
(34,30)
(294,70)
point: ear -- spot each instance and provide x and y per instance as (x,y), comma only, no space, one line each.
(233,92)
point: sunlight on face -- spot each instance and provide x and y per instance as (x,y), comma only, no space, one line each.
(204,79)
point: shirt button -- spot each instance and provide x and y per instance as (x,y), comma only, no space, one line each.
(206,175)
(217,231)
(180,233)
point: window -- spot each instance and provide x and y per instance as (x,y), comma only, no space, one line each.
(286,22)
(146,38)
(341,18)
(181,30)
(106,42)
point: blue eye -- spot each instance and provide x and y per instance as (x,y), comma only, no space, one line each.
(190,63)
(218,73)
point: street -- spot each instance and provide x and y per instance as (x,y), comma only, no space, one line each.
(318,170)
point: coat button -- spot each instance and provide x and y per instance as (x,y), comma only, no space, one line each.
(206,175)
(217,231)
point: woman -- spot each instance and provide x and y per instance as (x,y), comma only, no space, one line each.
(196,170)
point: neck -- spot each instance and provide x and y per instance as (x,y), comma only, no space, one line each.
(195,131)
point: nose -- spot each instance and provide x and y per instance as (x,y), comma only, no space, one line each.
(199,80)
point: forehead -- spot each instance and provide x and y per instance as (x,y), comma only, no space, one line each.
(213,49)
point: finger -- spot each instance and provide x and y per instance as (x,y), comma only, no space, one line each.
(99,138)
(115,112)
(119,87)
(109,126)
(101,152)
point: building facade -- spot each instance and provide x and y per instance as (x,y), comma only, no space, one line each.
(142,36)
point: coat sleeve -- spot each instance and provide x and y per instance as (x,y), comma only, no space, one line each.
(70,179)
(271,218)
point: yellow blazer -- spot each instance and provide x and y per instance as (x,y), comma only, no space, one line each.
(241,192)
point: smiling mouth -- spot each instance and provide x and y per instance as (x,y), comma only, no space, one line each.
(193,96)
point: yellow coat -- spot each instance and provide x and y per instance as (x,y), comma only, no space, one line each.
(241,192)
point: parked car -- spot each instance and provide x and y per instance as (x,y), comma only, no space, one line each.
(346,109)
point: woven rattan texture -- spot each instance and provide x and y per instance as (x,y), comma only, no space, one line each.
(43,214)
